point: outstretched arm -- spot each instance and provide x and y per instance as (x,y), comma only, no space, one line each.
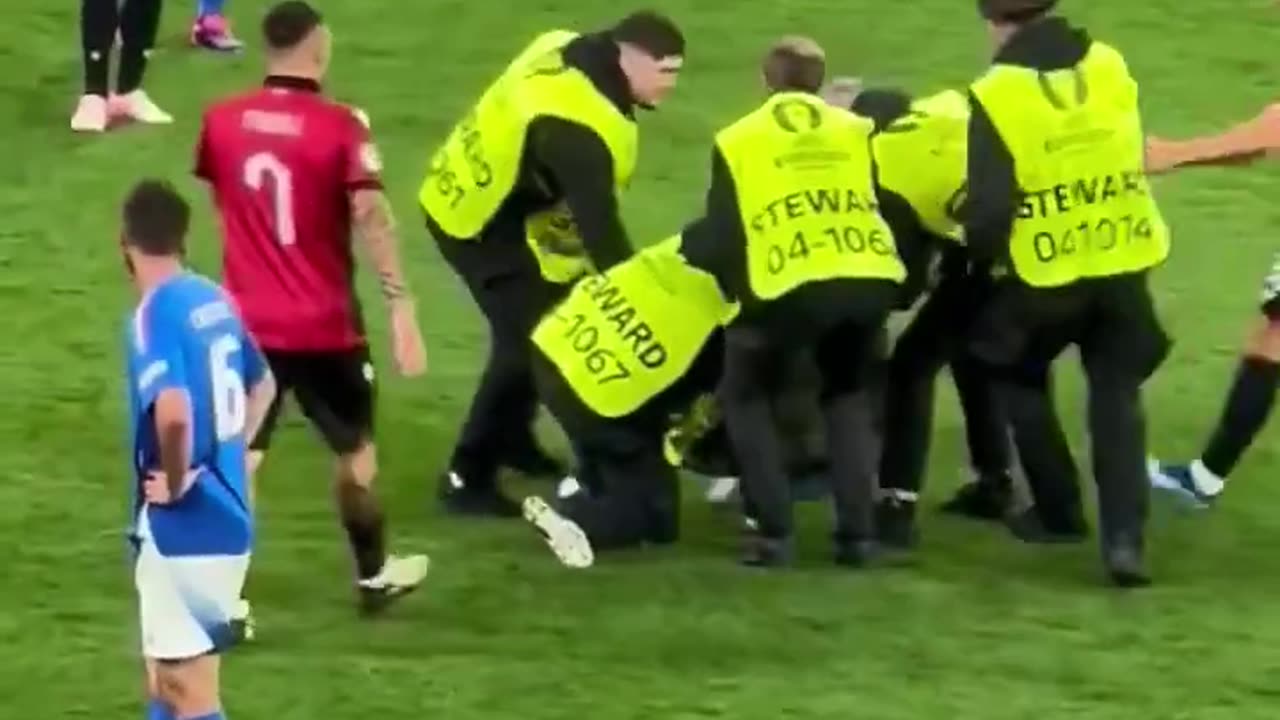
(1241,144)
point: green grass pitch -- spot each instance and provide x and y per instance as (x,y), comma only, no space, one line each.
(982,629)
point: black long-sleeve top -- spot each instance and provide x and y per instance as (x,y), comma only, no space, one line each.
(1045,45)
(564,160)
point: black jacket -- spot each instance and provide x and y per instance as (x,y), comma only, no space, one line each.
(917,245)
(564,160)
(1045,45)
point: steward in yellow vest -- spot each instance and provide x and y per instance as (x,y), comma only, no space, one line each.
(920,149)
(522,199)
(1060,205)
(624,351)
(800,241)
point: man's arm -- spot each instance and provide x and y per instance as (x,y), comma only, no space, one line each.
(993,188)
(371,215)
(917,247)
(172,411)
(163,390)
(1239,145)
(203,167)
(375,226)
(582,167)
(262,388)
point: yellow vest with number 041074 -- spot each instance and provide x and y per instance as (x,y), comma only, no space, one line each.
(624,336)
(1075,135)
(802,170)
(922,157)
(476,168)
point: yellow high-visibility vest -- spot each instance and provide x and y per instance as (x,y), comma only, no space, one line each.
(1075,135)
(475,170)
(803,175)
(623,336)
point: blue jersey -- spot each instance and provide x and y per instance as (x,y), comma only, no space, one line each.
(185,335)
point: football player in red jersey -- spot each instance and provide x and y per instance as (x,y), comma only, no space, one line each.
(293,174)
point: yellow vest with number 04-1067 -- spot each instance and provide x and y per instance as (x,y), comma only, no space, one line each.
(476,168)
(923,158)
(1075,135)
(805,191)
(624,336)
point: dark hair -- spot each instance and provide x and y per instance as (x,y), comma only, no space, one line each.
(1014,12)
(289,23)
(795,64)
(650,31)
(156,219)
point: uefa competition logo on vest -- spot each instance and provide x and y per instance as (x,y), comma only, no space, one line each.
(624,336)
(802,171)
(1086,207)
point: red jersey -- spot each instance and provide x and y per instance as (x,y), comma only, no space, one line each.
(281,162)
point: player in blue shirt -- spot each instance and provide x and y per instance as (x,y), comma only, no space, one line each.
(198,387)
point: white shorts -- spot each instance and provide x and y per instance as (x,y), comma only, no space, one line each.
(185,604)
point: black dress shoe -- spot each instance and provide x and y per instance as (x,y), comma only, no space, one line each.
(1125,567)
(1028,527)
(896,524)
(534,462)
(762,552)
(858,553)
(987,498)
(459,499)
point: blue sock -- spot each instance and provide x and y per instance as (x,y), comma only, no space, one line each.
(157,710)
(209,7)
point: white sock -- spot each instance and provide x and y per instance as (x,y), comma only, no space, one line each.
(1205,480)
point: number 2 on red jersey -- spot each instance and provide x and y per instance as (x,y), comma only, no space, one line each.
(264,171)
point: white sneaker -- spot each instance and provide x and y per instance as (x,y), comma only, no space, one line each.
(137,106)
(90,115)
(399,577)
(563,536)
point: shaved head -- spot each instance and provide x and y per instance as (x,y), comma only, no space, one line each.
(795,64)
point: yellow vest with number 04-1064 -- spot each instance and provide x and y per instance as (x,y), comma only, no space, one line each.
(622,337)
(922,157)
(476,168)
(802,171)
(1075,135)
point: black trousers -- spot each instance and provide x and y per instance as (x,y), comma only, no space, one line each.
(509,289)
(1113,323)
(938,336)
(839,322)
(633,494)
(137,21)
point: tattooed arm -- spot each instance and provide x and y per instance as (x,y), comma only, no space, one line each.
(376,227)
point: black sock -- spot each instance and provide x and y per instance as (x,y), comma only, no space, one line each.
(139,23)
(362,518)
(1248,405)
(98,22)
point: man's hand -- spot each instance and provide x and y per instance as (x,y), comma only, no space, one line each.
(406,339)
(157,490)
(842,91)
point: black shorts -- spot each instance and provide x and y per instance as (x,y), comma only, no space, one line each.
(1271,292)
(334,389)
